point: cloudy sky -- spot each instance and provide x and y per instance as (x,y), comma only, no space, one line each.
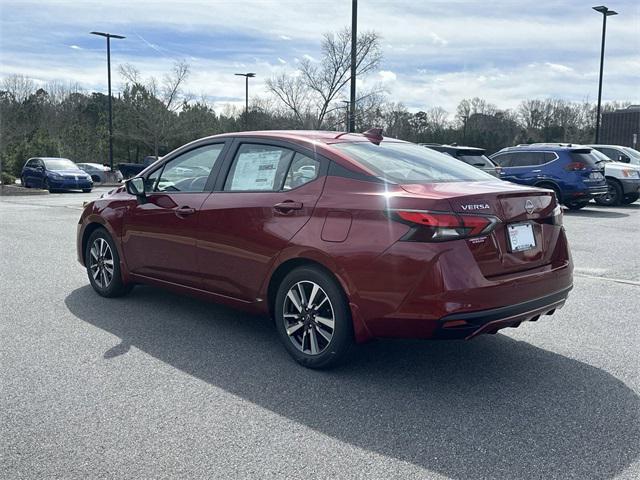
(435,52)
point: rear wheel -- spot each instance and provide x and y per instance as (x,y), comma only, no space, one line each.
(86,190)
(555,189)
(313,318)
(613,196)
(576,205)
(103,265)
(630,198)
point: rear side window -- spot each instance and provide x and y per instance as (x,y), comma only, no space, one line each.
(584,156)
(410,163)
(528,159)
(302,170)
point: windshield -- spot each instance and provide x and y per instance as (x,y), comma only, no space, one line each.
(632,152)
(59,164)
(409,163)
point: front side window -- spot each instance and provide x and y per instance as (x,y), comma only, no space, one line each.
(189,172)
(259,168)
(398,162)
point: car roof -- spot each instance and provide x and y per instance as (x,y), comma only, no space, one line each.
(551,147)
(322,136)
(49,158)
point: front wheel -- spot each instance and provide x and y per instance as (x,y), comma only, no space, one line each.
(103,265)
(313,318)
(86,190)
(576,205)
(24,183)
(630,198)
(46,186)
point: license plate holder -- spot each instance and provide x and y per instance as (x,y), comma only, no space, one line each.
(521,237)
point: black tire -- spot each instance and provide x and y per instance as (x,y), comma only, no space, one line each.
(115,287)
(630,198)
(86,190)
(329,352)
(555,189)
(45,185)
(23,181)
(613,197)
(577,205)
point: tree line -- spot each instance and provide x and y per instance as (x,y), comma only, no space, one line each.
(152,116)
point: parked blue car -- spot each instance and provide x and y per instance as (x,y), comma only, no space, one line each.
(574,173)
(52,174)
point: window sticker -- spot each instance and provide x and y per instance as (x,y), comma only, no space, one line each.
(256,170)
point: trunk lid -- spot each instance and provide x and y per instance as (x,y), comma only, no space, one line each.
(511,204)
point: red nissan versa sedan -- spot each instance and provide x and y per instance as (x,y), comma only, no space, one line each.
(339,237)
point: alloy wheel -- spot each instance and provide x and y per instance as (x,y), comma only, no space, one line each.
(101,262)
(309,318)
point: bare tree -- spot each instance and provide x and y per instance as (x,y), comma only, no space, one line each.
(18,87)
(151,105)
(312,92)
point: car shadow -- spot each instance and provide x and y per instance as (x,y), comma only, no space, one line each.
(491,408)
(594,213)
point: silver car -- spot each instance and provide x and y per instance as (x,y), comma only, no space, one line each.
(101,173)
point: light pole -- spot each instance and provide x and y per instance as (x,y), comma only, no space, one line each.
(109,36)
(354,52)
(246,76)
(605,13)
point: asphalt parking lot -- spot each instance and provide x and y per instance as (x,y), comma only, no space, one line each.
(154,385)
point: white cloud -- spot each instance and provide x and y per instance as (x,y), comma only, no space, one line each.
(556,67)
(437,39)
(75,47)
(387,76)
(282,60)
(284,37)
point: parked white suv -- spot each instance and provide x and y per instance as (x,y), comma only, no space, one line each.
(623,180)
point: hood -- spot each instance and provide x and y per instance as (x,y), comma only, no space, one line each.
(69,171)
(619,166)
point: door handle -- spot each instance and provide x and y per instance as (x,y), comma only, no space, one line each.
(287,206)
(185,211)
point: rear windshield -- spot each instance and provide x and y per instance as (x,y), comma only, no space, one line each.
(60,164)
(480,161)
(585,156)
(409,163)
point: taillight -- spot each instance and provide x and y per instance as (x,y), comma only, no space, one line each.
(575,166)
(441,226)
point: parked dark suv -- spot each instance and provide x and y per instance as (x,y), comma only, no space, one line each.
(470,155)
(574,173)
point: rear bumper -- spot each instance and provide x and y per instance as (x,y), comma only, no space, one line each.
(470,324)
(425,286)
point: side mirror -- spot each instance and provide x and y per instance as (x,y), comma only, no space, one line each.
(135,186)
(624,159)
